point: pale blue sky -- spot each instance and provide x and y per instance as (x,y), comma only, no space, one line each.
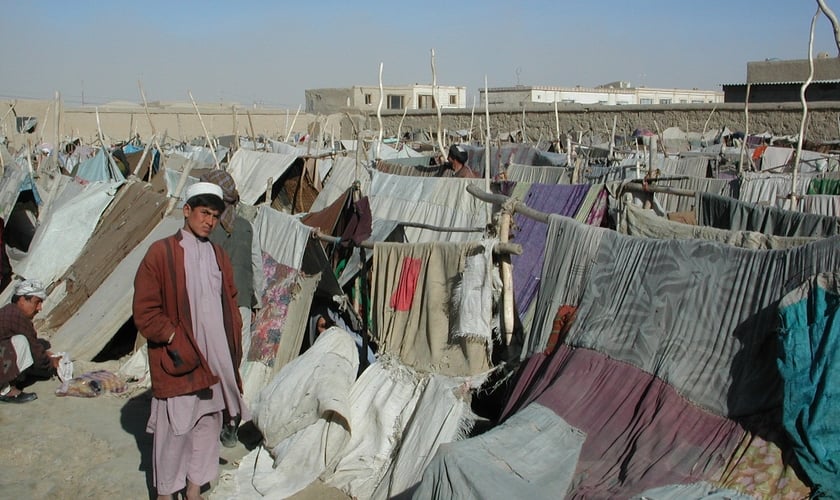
(271,51)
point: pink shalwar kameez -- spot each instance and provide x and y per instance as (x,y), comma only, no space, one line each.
(186,428)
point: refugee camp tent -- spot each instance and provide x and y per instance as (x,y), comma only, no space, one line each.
(65,230)
(418,395)
(98,168)
(134,212)
(94,324)
(10,184)
(251,171)
(345,172)
(726,213)
(439,202)
(670,377)
(644,223)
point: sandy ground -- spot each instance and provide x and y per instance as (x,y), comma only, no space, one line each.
(72,447)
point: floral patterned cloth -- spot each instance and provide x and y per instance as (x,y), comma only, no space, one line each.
(759,467)
(280,287)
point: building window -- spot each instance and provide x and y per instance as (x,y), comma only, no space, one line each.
(425,101)
(645,100)
(568,101)
(665,101)
(683,101)
(697,101)
(395,102)
(368,99)
(453,100)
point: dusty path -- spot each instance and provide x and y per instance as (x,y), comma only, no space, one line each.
(71,447)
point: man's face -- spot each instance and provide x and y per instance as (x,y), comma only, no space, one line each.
(200,221)
(30,306)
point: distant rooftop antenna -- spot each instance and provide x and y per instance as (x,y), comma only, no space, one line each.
(518,72)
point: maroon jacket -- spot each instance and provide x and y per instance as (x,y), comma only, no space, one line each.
(161,307)
(13,322)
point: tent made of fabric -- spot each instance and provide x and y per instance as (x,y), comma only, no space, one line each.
(435,201)
(252,169)
(89,330)
(133,214)
(66,229)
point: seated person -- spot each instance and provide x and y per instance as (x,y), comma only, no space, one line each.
(23,356)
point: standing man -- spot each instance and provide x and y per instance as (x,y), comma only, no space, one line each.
(235,235)
(22,354)
(185,304)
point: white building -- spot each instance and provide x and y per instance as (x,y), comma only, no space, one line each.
(611,94)
(394,97)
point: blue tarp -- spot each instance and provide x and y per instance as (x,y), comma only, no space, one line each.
(809,363)
(98,168)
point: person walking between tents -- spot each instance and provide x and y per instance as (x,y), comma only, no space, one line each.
(185,305)
(23,356)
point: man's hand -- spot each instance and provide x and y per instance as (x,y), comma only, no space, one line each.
(55,360)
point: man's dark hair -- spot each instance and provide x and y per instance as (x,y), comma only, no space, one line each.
(16,298)
(207,200)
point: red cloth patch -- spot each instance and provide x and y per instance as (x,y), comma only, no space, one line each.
(404,294)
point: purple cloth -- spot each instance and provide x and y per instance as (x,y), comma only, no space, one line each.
(562,199)
(640,432)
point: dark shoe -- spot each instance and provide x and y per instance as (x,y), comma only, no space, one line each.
(229,436)
(22,397)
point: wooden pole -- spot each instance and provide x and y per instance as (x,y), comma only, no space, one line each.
(571,160)
(746,132)
(235,128)
(57,122)
(251,128)
(707,122)
(206,134)
(146,108)
(269,184)
(292,126)
(487,142)
(41,129)
(516,206)
(437,108)
(399,127)
(507,277)
(180,187)
(105,146)
(499,249)
(793,188)
(379,113)
(652,152)
(143,156)
(659,133)
(472,121)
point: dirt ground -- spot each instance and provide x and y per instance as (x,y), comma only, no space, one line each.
(97,448)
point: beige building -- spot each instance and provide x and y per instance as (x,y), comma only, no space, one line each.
(781,81)
(610,94)
(393,97)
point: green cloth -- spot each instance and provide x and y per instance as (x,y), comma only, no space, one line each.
(824,186)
